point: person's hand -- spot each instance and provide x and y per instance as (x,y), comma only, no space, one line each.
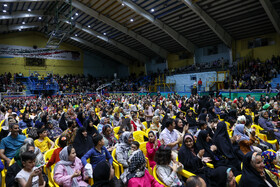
(275,130)
(174,167)
(213,148)
(76,174)
(36,172)
(156,144)
(201,153)
(186,128)
(8,161)
(180,139)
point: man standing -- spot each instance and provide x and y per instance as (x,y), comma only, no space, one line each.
(199,84)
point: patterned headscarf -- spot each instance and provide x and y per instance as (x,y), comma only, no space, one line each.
(137,166)
(268,159)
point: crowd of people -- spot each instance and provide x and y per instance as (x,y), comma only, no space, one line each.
(209,136)
(256,75)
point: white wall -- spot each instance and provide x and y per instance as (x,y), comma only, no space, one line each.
(184,82)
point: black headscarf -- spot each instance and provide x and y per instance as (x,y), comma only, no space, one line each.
(222,141)
(63,122)
(80,118)
(90,130)
(202,144)
(212,115)
(191,119)
(101,174)
(180,129)
(188,157)
(81,143)
(250,177)
(202,115)
(219,177)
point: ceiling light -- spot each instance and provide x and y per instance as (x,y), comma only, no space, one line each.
(122,4)
(88,26)
(40,17)
(104,33)
(76,14)
(152,10)
(4,11)
(29,10)
(131,20)
(19,30)
(23,22)
(5,5)
(76,35)
(72,18)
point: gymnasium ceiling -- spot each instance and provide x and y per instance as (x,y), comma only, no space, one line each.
(132,31)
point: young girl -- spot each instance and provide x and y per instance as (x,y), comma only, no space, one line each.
(167,169)
(152,146)
(43,142)
(29,175)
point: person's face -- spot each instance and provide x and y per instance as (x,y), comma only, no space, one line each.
(180,123)
(91,124)
(274,162)
(29,164)
(231,179)
(44,133)
(151,138)
(31,149)
(130,139)
(133,147)
(265,115)
(134,118)
(181,115)
(15,130)
(108,131)
(26,116)
(204,127)
(106,120)
(203,183)
(208,138)
(189,143)
(101,142)
(84,133)
(259,165)
(72,155)
(189,113)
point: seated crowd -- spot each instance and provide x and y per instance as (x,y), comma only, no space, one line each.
(186,141)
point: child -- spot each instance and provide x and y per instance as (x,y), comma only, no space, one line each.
(134,147)
(43,142)
(202,125)
(30,175)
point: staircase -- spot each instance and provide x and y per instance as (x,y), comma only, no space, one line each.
(275,81)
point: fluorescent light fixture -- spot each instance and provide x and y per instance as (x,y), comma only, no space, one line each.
(76,14)
(23,23)
(29,10)
(72,18)
(131,20)
(5,5)
(105,33)
(40,17)
(88,26)
(76,35)
(152,10)
(19,30)
(4,11)
(122,4)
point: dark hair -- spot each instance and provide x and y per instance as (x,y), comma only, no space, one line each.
(169,122)
(62,141)
(70,123)
(152,132)
(69,149)
(136,143)
(96,139)
(194,181)
(40,131)
(11,125)
(201,123)
(163,155)
(27,156)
